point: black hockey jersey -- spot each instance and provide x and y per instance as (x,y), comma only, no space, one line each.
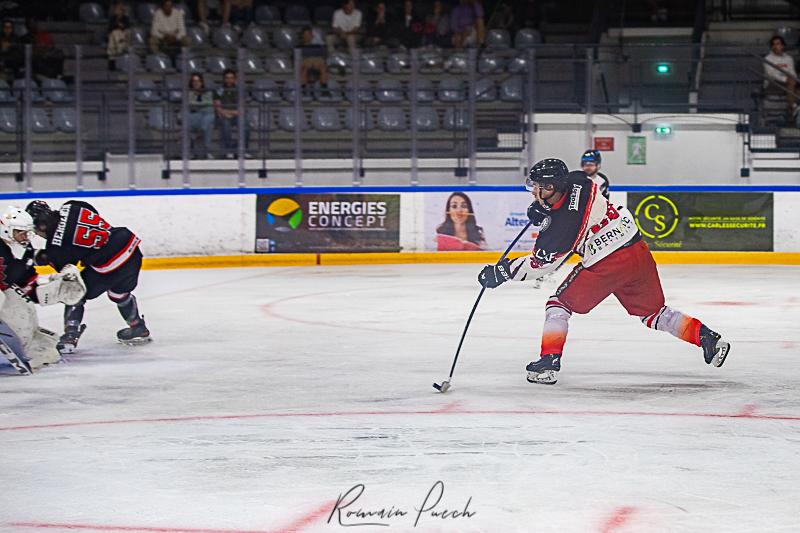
(19,272)
(82,235)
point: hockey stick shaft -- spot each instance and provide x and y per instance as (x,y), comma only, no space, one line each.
(480,295)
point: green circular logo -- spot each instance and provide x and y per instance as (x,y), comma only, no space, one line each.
(657,216)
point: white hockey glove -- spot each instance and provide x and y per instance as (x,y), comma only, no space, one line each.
(66,287)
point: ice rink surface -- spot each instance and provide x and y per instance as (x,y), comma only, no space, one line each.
(270,393)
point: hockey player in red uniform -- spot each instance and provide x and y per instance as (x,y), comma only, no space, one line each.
(111,259)
(27,346)
(576,218)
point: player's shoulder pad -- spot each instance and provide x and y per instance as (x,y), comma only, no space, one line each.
(576,176)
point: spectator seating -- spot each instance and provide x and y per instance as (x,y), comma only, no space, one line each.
(64,119)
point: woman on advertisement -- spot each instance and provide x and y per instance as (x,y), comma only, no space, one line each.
(460,230)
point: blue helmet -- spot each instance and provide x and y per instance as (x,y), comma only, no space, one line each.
(591,156)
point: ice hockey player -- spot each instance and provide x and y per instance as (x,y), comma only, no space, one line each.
(590,163)
(111,259)
(575,217)
(27,346)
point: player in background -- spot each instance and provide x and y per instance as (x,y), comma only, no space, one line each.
(590,163)
(575,217)
(111,259)
(27,346)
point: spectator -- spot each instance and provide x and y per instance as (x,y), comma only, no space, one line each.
(313,67)
(10,51)
(377,26)
(226,105)
(168,30)
(781,70)
(48,61)
(410,27)
(118,10)
(119,40)
(345,26)
(201,113)
(437,27)
(467,25)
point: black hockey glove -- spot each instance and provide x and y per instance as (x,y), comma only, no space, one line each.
(537,213)
(494,275)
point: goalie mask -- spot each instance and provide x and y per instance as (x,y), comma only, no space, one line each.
(16,227)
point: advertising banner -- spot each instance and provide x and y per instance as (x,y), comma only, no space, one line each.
(473,221)
(709,221)
(327,223)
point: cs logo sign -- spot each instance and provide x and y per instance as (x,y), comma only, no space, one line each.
(284,214)
(657,216)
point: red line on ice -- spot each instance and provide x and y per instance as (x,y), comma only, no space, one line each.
(295,527)
(618,519)
(449,409)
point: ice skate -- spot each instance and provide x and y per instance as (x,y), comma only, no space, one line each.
(715,350)
(136,333)
(545,370)
(69,340)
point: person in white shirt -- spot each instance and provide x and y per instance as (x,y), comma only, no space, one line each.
(779,68)
(345,26)
(168,30)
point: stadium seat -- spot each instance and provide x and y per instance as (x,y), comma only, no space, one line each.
(339,61)
(145,12)
(431,61)
(123,62)
(323,16)
(489,63)
(64,119)
(286,119)
(527,38)
(426,119)
(485,90)
(266,90)
(498,39)
(252,63)
(268,15)
(157,119)
(398,63)
(193,64)
(146,91)
(518,64)
(288,92)
(451,90)
(225,38)
(391,119)
(389,90)
(40,121)
(138,37)
(456,119)
(511,90)
(188,16)
(255,38)
(332,94)
(366,122)
(326,119)
(457,63)
(92,13)
(8,120)
(259,119)
(56,91)
(19,90)
(297,15)
(371,64)
(5,92)
(159,64)
(218,64)
(197,37)
(279,64)
(365,93)
(174,89)
(425,91)
(285,38)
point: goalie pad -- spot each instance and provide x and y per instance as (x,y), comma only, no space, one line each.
(66,287)
(24,339)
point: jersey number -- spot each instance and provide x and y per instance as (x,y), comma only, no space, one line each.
(611,214)
(91,230)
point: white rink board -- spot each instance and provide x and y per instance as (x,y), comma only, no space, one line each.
(224,224)
(282,388)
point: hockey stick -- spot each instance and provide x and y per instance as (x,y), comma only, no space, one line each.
(445,385)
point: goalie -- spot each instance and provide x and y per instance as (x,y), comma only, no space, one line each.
(22,342)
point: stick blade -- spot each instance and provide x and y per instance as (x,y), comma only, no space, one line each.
(444,387)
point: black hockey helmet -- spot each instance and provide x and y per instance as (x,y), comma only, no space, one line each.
(591,156)
(43,217)
(546,171)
